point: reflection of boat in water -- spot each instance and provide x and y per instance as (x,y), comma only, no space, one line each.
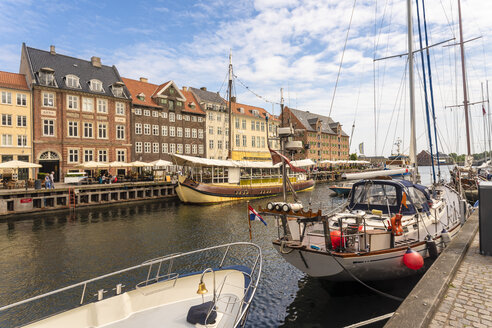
(211,181)
(177,291)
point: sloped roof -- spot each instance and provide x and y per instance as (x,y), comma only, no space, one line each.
(13,81)
(308,119)
(137,87)
(190,98)
(64,65)
(207,96)
(248,111)
(164,86)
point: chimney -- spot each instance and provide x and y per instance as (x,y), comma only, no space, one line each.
(52,50)
(185,88)
(203,88)
(233,99)
(96,61)
(144,79)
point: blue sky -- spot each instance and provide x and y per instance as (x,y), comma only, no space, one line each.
(291,44)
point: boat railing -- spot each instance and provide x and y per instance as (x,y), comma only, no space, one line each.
(254,267)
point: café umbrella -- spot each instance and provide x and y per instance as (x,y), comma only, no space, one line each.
(19,165)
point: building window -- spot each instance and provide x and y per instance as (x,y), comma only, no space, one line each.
(138,111)
(88,130)
(262,142)
(262,126)
(138,128)
(252,125)
(21,141)
(210,116)
(146,112)
(72,81)
(193,133)
(172,148)
(171,105)
(138,147)
(237,123)
(187,133)
(155,130)
(179,148)
(257,126)
(120,132)
(88,155)
(21,99)
(48,99)
(6,120)
(179,104)
(6,140)
(200,119)
(257,142)
(155,147)
(117,91)
(121,155)
(73,155)
(244,124)
(120,108)
(102,155)
(219,130)
(211,144)
(102,131)
(155,113)
(147,129)
(187,149)
(219,118)
(6,98)
(102,106)
(147,147)
(200,149)
(164,148)
(172,131)
(164,130)
(200,134)
(73,129)
(245,141)
(87,104)
(211,130)
(219,144)
(179,117)
(227,144)
(163,101)
(164,115)
(186,117)
(193,118)
(193,149)
(96,85)
(21,120)
(47,78)
(48,127)
(171,117)
(72,102)
(179,132)
(253,143)
(238,142)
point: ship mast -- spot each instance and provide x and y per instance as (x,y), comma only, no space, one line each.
(413,141)
(463,73)
(230,106)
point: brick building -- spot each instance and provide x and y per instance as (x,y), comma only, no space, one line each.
(325,137)
(81,110)
(164,120)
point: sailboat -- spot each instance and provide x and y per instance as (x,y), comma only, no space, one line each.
(385,231)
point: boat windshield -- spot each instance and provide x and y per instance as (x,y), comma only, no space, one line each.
(376,194)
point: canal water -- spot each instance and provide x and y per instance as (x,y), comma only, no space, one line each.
(43,252)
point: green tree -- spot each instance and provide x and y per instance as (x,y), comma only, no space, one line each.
(353,157)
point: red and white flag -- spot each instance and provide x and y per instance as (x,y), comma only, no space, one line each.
(277,158)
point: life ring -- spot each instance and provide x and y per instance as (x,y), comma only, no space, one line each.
(396,227)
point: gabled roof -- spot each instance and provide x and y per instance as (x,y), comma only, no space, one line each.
(163,87)
(190,99)
(308,119)
(207,96)
(66,65)
(137,87)
(249,111)
(13,81)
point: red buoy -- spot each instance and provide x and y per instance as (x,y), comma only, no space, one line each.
(335,238)
(412,259)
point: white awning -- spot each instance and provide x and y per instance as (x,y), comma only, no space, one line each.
(303,162)
(198,161)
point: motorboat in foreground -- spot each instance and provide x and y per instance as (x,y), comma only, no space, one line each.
(176,291)
(369,237)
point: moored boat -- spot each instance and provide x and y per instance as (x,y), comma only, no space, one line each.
(208,287)
(208,181)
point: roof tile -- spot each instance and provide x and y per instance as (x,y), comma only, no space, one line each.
(13,81)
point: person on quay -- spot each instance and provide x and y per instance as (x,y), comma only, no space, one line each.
(52,180)
(47,184)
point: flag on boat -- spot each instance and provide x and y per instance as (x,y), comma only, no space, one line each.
(277,158)
(361,148)
(254,216)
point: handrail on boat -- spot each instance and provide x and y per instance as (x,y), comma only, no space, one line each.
(252,285)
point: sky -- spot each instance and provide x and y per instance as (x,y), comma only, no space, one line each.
(290,44)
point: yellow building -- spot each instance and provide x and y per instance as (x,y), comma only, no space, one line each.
(15,124)
(249,127)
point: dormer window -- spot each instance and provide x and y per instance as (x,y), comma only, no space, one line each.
(117,89)
(241,110)
(256,112)
(96,85)
(141,96)
(72,81)
(192,105)
(47,76)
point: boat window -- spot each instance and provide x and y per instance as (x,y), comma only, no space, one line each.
(376,194)
(417,196)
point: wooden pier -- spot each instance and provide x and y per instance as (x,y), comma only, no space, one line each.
(71,197)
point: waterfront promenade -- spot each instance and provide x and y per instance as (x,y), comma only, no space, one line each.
(468,300)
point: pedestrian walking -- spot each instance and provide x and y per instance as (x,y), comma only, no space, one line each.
(52,180)
(47,182)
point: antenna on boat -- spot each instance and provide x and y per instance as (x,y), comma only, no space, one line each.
(230,106)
